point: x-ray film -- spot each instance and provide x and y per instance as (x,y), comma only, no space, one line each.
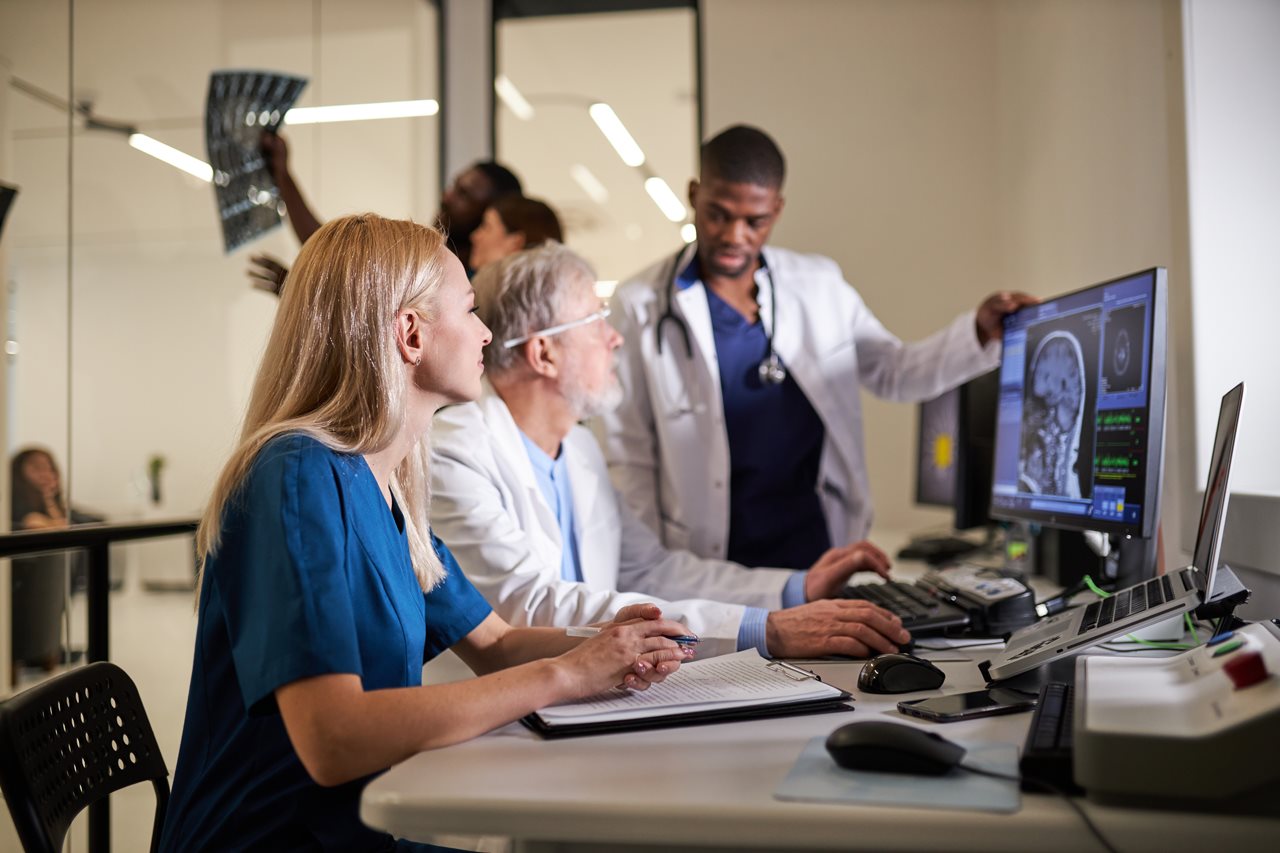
(7,195)
(240,106)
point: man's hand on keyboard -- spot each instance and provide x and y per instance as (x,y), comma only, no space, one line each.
(853,627)
(828,576)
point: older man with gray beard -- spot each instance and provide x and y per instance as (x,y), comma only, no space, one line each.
(522,495)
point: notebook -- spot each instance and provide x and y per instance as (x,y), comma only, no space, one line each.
(719,689)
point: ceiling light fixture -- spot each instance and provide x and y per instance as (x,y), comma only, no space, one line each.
(178,159)
(510,95)
(362,112)
(589,182)
(665,199)
(616,132)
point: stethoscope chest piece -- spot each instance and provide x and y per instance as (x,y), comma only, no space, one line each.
(771,370)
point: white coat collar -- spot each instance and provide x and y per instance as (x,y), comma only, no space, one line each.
(586,482)
(506,436)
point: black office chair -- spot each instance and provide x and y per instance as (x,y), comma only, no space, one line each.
(70,742)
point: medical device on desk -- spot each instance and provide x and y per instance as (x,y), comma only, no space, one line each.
(1195,731)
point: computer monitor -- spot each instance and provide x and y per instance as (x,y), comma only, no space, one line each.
(937,425)
(1080,419)
(955,438)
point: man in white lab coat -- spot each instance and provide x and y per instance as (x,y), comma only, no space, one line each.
(739,435)
(521,494)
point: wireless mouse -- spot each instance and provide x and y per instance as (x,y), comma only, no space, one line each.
(899,673)
(888,747)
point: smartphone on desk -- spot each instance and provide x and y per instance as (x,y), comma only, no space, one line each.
(966,706)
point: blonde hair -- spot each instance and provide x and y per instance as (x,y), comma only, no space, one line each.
(332,368)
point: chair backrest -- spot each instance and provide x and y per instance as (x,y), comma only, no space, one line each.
(70,742)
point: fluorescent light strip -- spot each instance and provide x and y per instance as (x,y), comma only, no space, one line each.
(616,132)
(688,232)
(590,183)
(665,199)
(361,112)
(172,156)
(511,96)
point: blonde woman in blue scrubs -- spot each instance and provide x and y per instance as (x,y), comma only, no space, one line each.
(322,591)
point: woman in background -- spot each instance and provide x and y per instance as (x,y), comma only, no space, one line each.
(512,224)
(322,591)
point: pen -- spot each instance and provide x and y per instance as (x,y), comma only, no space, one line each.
(590,631)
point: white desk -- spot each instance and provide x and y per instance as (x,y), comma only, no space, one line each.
(711,787)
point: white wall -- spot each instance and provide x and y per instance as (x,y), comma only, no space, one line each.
(1233,134)
(940,151)
(886,113)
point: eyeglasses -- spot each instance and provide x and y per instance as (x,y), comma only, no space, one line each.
(602,314)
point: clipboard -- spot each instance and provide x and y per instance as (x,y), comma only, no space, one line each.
(673,713)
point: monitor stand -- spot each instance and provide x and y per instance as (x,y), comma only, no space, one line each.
(1131,560)
(1228,594)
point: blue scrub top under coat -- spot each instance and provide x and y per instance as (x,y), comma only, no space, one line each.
(775,447)
(553,481)
(312,577)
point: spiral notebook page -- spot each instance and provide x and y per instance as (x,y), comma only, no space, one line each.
(743,679)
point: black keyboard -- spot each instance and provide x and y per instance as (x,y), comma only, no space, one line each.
(918,610)
(1127,602)
(1046,755)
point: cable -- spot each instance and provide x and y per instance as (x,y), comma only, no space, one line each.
(1054,789)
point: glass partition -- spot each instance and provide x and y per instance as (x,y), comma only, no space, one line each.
(132,337)
(598,114)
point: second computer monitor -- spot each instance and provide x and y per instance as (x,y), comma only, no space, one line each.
(953,454)
(1080,419)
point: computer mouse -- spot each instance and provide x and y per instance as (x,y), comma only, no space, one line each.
(892,748)
(899,673)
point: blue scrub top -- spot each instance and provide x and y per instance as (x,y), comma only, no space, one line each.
(775,448)
(312,576)
(553,481)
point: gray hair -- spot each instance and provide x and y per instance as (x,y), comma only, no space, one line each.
(523,293)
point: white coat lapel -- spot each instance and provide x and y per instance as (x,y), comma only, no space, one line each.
(506,436)
(794,343)
(595,542)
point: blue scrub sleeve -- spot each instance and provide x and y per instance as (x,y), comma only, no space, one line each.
(282,573)
(454,606)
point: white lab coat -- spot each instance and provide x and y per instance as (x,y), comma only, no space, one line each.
(487,507)
(667,446)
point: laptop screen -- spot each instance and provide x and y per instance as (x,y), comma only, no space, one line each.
(1213,509)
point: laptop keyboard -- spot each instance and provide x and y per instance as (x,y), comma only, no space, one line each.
(1128,602)
(915,607)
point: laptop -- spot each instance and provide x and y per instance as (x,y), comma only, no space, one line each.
(1146,603)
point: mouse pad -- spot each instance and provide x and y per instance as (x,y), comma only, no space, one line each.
(815,777)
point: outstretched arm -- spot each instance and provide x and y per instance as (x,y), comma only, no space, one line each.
(342,732)
(276,151)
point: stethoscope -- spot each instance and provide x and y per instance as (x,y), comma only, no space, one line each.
(771,370)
